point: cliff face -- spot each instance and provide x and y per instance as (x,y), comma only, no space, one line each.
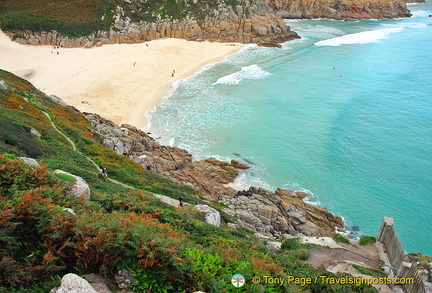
(252,22)
(340,9)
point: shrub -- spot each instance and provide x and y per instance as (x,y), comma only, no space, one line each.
(291,244)
(365,240)
(303,254)
(340,238)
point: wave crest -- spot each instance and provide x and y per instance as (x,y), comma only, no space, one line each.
(247,72)
(360,38)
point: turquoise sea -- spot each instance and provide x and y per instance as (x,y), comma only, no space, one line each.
(345,114)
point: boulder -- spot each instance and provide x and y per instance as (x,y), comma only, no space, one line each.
(79,187)
(57,100)
(124,279)
(35,132)
(29,161)
(212,216)
(72,283)
(3,85)
(70,211)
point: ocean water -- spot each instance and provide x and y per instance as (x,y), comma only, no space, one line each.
(344,114)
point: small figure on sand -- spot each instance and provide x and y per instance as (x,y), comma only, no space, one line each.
(135,63)
(172,74)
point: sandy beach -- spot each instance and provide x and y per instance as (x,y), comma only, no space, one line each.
(120,82)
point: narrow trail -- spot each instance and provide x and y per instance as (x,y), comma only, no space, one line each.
(164,198)
(61,133)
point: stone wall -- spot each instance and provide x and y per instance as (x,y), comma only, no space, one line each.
(401,265)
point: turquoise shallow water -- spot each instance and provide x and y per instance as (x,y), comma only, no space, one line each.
(345,114)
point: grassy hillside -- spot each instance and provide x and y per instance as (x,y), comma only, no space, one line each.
(168,249)
(76,18)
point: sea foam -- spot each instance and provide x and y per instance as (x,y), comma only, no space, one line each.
(247,72)
(360,38)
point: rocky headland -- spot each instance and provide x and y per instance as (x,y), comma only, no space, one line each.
(271,213)
(252,22)
(249,21)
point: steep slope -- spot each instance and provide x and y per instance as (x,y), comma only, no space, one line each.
(46,232)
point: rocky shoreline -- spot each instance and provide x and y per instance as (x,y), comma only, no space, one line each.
(279,213)
(255,21)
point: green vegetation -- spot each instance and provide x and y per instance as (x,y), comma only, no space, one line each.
(66,177)
(365,240)
(340,238)
(378,273)
(75,18)
(167,249)
(291,244)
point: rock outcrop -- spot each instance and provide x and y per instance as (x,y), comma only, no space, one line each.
(279,213)
(30,162)
(340,9)
(271,213)
(252,22)
(212,216)
(72,283)
(3,85)
(207,176)
(79,187)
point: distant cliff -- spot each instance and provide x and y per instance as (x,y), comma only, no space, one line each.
(121,21)
(340,9)
(248,21)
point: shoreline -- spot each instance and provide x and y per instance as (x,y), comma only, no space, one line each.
(119,81)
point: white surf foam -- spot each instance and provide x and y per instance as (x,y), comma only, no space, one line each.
(360,38)
(248,72)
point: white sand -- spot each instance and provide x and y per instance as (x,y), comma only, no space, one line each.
(104,80)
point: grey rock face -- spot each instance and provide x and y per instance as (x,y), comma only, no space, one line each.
(212,216)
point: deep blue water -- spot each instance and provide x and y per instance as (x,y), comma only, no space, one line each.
(345,114)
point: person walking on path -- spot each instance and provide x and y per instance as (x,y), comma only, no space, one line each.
(181,200)
(104,172)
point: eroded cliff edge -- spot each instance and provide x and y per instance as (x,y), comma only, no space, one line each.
(271,213)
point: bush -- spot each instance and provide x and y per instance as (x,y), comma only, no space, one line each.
(365,240)
(291,244)
(340,238)
(303,254)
